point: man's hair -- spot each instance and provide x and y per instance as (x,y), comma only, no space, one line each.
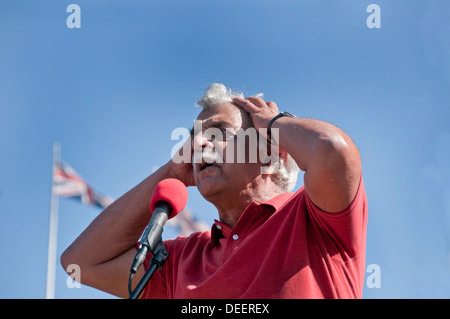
(216,94)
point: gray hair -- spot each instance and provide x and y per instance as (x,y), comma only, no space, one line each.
(216,94)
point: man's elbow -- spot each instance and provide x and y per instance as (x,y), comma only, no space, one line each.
(339,152)
(66,259)
(73,265)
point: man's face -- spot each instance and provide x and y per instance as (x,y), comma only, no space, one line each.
(216,178)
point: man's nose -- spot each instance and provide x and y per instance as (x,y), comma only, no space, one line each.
(200,141)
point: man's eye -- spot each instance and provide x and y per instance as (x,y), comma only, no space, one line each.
(224,134)
(230,134)
(215,133)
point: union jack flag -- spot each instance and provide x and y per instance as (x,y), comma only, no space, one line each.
(67,183)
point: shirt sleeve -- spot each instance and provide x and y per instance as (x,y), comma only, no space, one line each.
(343,233)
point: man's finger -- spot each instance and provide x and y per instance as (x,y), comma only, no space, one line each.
(272,105)
(245,104)
(258,102)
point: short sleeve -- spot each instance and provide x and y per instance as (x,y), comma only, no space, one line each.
(346,229)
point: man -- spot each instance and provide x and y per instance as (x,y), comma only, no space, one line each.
(267,241)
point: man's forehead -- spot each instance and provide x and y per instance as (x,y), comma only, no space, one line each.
(222,115)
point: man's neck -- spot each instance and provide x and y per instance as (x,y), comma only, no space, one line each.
(230,209)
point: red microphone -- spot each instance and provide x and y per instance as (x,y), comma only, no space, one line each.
(168,199)
(173,193)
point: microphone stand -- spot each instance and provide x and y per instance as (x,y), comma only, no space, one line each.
(160,255)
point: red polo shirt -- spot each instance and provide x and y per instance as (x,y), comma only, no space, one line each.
(283,248)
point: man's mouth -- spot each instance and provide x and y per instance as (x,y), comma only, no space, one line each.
(205,159)
(204,165)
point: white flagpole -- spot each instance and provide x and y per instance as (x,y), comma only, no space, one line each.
(53,230)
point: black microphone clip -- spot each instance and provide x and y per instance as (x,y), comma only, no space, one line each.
(152,235)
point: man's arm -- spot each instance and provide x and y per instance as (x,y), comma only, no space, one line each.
(105,250)
(328,156)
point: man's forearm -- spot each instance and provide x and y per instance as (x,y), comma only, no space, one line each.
(117,228)
(328,156)
(309,141)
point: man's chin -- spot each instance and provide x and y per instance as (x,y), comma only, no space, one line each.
(208,187)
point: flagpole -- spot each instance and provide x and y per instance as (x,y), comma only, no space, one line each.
(53,229)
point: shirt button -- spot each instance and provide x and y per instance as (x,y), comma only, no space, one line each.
(218,227)
(235,236)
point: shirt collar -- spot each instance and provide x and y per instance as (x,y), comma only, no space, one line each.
(278,201)
(220,230)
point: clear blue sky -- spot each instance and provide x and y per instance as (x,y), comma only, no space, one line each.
(112,92)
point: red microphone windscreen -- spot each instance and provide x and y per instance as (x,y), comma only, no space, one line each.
(171,191)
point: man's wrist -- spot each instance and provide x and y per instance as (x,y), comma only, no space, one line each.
(169,170)
(174,170)
(269,127)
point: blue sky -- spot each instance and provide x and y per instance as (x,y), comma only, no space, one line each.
(113,91)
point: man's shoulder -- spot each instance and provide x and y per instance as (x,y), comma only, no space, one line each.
(281,201)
